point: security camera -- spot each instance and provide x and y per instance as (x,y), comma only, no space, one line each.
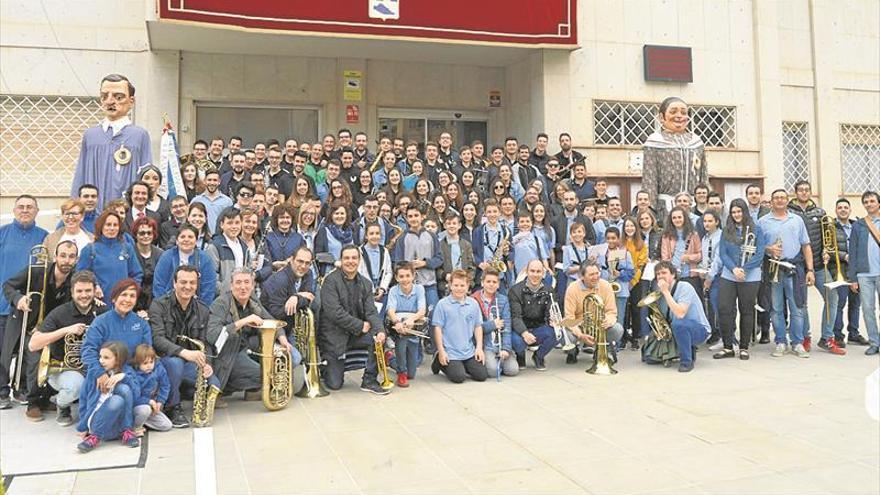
(457,115)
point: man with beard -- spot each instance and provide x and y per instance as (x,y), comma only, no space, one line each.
(290,149)
(567,156)
(16,290)
(348,171)
(215,153)
(362,156)
(230,180)
(71,318)
(113,151)
(213,199)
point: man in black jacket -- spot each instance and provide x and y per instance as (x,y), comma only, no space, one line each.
(168,229)
(180,313)
(290,290)
(811,213)
(55,293)
(562,223)
(846,298)
(530,314)
(349,320)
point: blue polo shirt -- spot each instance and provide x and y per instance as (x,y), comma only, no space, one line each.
(791,229)
(457,319)
(407,303)
(873,251)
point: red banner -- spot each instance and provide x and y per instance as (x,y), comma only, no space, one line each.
(525,22)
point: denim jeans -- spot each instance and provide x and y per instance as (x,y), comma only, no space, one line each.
(621,309)
(180,371)
(431,298)
(712,306)
(546,340)
(68,384)
(782,294)
(407,353)
(688,334)
(850,300)
(115,414)
(509,366)
(827,324)
(869,292)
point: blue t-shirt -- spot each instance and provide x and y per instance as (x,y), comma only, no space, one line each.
(685,293)
(873,251)
(790,229)
(457,319)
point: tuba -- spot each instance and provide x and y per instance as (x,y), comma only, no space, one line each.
(72,358)
(304,327)
(204,397)
(498,262)
(594,316)
(277,369)
(37,258)
(382,366)
(659,326)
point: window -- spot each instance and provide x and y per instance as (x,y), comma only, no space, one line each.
(423,126)
(795,153)
(40,139)
(629,124)
(256,123)
(860,157)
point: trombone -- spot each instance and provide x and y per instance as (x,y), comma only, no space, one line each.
(829,243)
(37,258)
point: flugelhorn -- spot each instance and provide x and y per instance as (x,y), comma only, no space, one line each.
(563,334)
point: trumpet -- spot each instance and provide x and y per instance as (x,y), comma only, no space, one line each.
(563,334)
(382,366)
(776,263)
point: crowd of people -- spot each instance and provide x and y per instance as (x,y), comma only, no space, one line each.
(466,256)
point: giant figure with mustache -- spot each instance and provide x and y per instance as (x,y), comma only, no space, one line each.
(115,150)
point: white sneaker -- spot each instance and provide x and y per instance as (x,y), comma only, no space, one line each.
(717,346)
(800,351)
(779,351)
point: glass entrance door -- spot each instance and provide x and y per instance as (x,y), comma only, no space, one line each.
(424,126)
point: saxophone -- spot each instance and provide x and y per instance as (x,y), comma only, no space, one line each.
(305,332)
(498,262)
(204,397)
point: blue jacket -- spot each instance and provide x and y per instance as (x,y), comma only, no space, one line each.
(278,288)
(731,254)
(479,241)
(278,247)
(89,393)
(111,261)
(489,324)
(398,254)
(858,250)
(132,329)
(154,383)
(16,242)
(163,275)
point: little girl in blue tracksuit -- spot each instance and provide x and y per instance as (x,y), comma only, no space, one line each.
(155,386)
(108,415)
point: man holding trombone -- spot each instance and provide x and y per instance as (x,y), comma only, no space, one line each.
(791,271)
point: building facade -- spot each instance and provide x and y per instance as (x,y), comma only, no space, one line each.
(781,90)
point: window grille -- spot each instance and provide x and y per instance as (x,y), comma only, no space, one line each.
(620,123)
(860,157)
(795,153)
(40,138)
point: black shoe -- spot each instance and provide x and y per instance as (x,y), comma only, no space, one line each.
(64,417)
(694,354)
(435,364)
(823,344)
(5,403)
(539,363)
(634,345)
(856,340)
(374,388)
(872,350)
(714,339)
(521,359)
(685,368)
(841,342)
(765,338)
(178,420)
(20,398)
(571,358)
(724,354)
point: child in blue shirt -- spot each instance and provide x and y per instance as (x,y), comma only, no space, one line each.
(406,297)
(154,384)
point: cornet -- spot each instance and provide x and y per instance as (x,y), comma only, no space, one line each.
(555,320)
